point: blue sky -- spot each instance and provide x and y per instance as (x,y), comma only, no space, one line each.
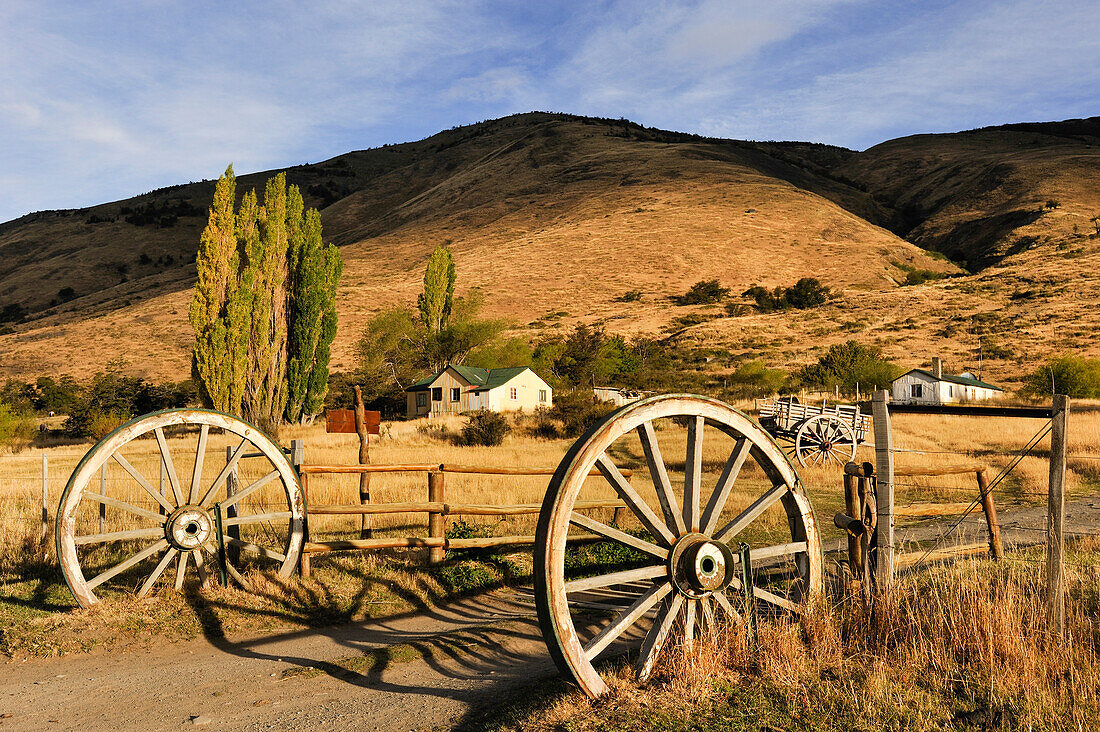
(104,100)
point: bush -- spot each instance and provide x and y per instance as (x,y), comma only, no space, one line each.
(850,363)
(576,411)
(808,292)
(754,379)
(1073,376)
(703,292)
(766,300)
(486,429)
(631,296)
(17,428)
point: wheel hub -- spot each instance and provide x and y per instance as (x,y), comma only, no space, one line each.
(699,566)
(188,527)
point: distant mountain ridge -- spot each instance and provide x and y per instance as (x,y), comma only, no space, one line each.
(554,216)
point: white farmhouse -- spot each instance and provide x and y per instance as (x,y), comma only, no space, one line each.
(458,389)
(934,387)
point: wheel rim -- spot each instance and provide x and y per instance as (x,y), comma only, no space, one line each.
(824,440)
(685,572)
(117,528)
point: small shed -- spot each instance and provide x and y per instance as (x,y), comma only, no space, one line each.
(919,386)
(457,389)
(617,396)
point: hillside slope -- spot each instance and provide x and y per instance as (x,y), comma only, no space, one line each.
(554,217)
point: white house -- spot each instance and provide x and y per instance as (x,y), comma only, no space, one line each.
(458,389)
(934,387)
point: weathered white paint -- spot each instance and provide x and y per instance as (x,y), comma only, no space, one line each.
(523,392)
(917,387)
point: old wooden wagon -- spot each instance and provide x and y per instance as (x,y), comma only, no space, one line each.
(815,434)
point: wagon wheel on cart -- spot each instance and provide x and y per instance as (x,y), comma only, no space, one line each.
(825,440)
(683,568)
(126,533)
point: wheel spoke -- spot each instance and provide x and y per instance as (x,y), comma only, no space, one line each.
(616,578)
(161,566)
(125,565)
(771,598)
(254,486)
(630,496)
(725,483)
(693,472)
(200,456)
(616,535)
(181,570)
(659,474)
(689,623)
(256,518)
(229,465)
(143,483)
(708,615)
(627,618)
(150,533)
(200,563)
(724,603)
(253,548)
(749,515)
(166,456)
(779,550)
(96,497)
(232,572)
(655,639)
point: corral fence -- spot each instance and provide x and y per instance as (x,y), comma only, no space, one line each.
(436,507)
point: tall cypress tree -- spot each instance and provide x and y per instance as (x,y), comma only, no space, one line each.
(314,273)
(435,302)
(217,263)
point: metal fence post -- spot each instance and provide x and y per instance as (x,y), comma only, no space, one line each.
(884,490)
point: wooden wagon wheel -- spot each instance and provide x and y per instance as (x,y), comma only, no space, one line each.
(684,564)
(824,440)
(126,532)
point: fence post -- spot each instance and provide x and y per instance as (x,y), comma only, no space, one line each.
(45,499)
(852,508)
(995,545)
(232,485)
(884,490)
(1056,516)
(435,519)
(367,525)
(304,567)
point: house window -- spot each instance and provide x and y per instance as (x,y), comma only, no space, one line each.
(512,392)
(950,391)
(437,394)
(542,395)
(916,391)
(421,398)
(456,394)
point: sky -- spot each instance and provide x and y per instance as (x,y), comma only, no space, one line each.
(106,100)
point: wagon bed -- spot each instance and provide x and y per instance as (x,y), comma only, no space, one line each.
(815,433)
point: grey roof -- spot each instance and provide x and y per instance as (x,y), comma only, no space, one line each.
(481,379)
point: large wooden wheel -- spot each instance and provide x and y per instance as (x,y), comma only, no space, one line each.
(675,566)
(116,527)
(825,440)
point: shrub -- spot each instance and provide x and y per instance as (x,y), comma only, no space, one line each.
(631,296)
(808,292)
(1073,376)
(486,429)
(754,379)
(576,411)
(766,300)
(703,292)
(17,428)
(850,363)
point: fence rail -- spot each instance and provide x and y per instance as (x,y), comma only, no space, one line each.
(435,507)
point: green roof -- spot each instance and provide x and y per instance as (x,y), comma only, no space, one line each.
(481,379)
(964,380)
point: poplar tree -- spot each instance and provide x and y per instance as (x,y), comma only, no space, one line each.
(216,289)
(435,302)
(265,386)
(314,273)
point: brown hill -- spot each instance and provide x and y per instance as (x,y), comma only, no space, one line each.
(554,217)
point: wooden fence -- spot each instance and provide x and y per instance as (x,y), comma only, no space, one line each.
(436,507)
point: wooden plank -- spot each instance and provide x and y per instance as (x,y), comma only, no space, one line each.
(378,508)
(917,510)
(938,555)
(436,467)
(932,472)
(317,547)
